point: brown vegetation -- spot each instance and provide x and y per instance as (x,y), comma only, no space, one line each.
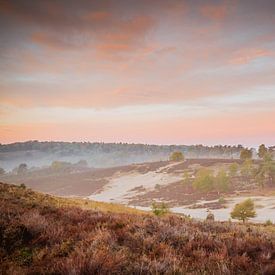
(39,234)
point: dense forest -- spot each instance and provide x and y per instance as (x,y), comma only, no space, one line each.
(76,147)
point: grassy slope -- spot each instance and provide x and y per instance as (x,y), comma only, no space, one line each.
(44,234)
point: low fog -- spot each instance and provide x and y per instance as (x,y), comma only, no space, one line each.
(41,154)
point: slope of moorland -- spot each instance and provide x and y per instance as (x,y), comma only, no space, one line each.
(41,234)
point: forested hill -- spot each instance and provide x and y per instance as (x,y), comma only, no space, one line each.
(97,154)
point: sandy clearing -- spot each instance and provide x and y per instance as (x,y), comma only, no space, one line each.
(120,189)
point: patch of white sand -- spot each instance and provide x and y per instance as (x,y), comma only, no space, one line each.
(120,188)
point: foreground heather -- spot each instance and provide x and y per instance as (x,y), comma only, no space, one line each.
(39,235)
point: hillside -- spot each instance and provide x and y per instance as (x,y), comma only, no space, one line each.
(44,234)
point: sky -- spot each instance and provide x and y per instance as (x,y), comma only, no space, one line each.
(146,71)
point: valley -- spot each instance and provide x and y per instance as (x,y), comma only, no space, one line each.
(138,185)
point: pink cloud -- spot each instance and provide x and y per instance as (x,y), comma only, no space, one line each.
(125,35)
(246,55)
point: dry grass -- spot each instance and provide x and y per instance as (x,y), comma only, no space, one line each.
(28,196)
(87,204)
(40,234)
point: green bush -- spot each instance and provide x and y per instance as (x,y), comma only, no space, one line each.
(160,209)
(244,210)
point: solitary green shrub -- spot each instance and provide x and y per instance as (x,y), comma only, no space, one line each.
(244,210)
(204,180)
(177,156)
(160,209)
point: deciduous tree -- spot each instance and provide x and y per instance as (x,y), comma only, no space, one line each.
(244,210)
(177,156)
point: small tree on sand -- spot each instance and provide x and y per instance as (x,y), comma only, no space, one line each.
(244,210)
(177,156)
